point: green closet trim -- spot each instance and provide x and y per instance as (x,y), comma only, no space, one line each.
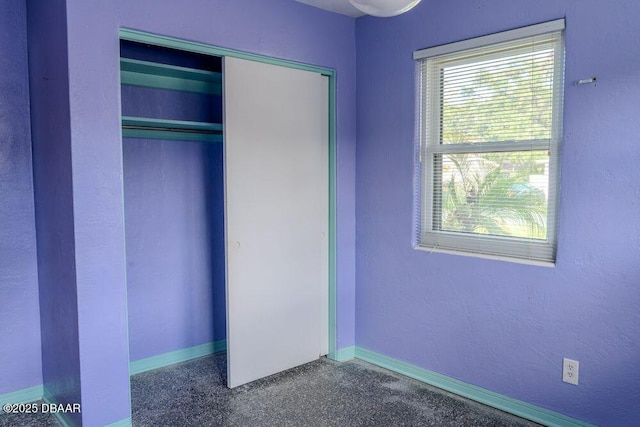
(179,130)
(333,223)
(122,423)
(346,353)
(63,418)
(191,46)
(171,124)
(171,136)
(25,395)
(162,76)
(177,356)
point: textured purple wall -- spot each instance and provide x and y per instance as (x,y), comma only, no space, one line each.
(279,28)
(49,96)
(20,359)
(152,103)
(174,210)
(500,325)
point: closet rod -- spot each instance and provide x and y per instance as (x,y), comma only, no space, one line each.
(202,131)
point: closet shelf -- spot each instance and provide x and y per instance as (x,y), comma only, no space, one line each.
(147,128)
(135,72)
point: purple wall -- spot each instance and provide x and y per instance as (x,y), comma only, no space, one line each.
(152,103)
(279,28)
(174,210)
(49,96)
(20,361)
(500,325)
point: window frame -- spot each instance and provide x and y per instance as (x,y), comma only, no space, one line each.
(527,250)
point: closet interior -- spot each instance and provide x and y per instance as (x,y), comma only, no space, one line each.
(174,202)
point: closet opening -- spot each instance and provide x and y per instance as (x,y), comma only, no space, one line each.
(230,226)
(174,203)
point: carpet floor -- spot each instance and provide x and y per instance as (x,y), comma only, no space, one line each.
(320,393)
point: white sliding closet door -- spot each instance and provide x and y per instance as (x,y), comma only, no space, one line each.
(276,189)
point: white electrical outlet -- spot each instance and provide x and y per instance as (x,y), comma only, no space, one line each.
(570,371)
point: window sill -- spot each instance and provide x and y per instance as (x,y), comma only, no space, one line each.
(504,258)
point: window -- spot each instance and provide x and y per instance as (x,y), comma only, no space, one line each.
(490,124)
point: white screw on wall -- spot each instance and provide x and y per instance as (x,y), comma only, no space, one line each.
(570,371)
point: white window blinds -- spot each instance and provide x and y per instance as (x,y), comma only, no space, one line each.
(490,125)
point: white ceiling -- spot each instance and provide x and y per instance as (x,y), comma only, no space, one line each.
(339,6)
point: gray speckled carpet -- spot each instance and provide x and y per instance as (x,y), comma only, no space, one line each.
(321,393)
(28,420)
